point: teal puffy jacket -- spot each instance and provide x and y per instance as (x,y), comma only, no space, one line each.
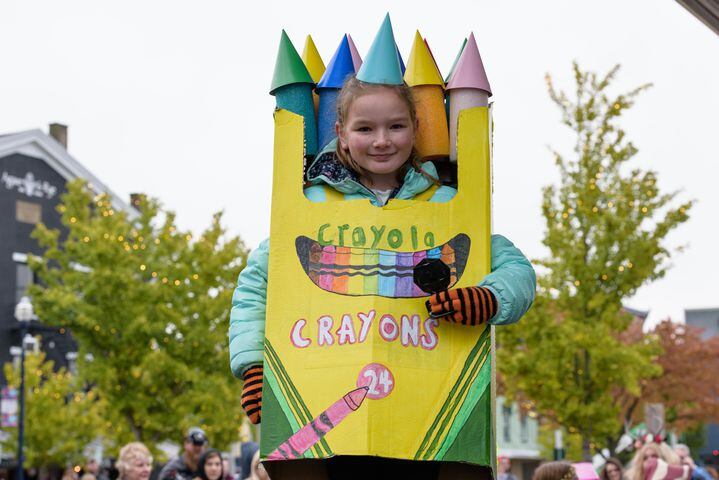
(512,280)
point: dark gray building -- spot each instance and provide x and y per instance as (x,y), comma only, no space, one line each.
(707,319)
(34,168)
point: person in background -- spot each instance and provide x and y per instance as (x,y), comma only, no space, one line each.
(685,457)
(258,471)
(185,466)
(247,452)
(555,471)
(656,461)
(134,462)
(612,470)
(210,465)
(504,466)
(227,471)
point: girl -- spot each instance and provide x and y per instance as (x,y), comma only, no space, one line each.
(373,158)
(210,465)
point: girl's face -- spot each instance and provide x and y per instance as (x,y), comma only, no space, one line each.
(213,467)
(139,469)
(613,472)
(379,135)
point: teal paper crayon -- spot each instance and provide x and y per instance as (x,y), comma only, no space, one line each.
(311,433)
(292,87)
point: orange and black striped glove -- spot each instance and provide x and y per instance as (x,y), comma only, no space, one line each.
(252,393)
(468,305)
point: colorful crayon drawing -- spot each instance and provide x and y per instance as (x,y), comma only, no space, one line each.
(313,432)
(386,273)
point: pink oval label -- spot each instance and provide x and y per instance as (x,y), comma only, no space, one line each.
(378,379)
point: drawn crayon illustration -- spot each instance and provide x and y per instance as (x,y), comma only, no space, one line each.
(311,433)
(385,273)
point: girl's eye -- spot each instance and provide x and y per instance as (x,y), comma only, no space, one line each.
(363,129)
(397,126)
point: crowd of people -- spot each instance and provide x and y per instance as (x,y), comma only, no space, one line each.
(652,461)
(196,461)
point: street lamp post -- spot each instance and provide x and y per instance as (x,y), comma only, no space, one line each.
(23,314)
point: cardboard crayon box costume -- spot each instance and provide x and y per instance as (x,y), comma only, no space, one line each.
(353,364)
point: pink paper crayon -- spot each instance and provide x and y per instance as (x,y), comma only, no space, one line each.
(468,88)
(311,433)
(327,259)
(356,59)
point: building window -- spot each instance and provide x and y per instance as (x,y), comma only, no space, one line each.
(28,212)
(523,428)
(506,422)
(23,279)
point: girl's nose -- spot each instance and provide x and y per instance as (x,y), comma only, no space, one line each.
(382,139)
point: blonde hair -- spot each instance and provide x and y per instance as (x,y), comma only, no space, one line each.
(664,451)
(129,453)
(351,91)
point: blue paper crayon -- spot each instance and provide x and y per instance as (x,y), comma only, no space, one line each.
(339,68)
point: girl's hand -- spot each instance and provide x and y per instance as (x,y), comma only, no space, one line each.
(252,393)
(468,305)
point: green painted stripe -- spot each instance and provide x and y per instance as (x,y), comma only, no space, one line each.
(298,398)
(449,418)
(300,410)
(479,386)
(460,379)
(298,419)
(271,380)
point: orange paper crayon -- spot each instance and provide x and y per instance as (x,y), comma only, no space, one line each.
(428,89)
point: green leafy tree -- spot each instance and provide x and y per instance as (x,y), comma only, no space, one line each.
(150,305)
(61,417)
(606,234)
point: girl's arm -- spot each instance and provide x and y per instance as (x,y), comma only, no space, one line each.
(512,281)
(247,317)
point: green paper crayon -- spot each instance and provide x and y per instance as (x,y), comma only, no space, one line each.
(292,87)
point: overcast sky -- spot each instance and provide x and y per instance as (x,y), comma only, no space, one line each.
(171,98)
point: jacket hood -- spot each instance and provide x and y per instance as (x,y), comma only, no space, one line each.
(327,169)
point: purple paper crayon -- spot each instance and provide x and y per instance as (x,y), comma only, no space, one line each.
(311,433)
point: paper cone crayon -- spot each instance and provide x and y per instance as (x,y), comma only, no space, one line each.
(339,68)
(456,59)
(311,433)
(449,75)
(421,69)
(428,89)
(312,60)
(292,87)
(432,55)
(382,64)
(468,87)
(356,59)
(314,65)
(401,62)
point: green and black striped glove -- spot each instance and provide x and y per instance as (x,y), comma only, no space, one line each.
(252,393)
(468,305)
